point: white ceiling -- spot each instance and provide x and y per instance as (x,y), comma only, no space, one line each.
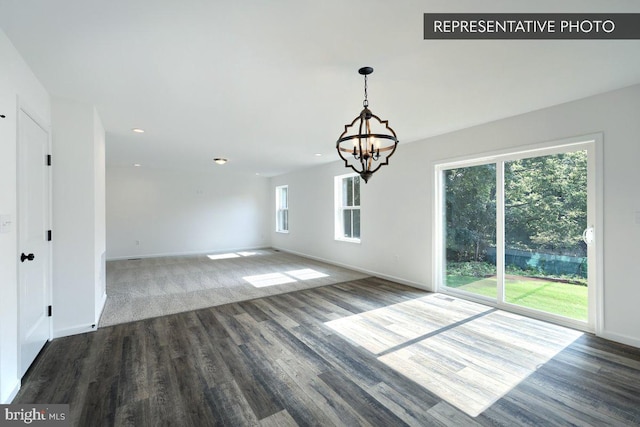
(269,83)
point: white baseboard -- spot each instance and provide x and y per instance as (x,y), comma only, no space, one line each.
(168,254)
(75,330)
(12,395)
(361,270)
(624,339)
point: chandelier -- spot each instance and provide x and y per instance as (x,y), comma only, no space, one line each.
(368,142)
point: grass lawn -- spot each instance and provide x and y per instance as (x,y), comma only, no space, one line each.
(553,297)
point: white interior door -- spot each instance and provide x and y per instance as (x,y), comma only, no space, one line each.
(33,242)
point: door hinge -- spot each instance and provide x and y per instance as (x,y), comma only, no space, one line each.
(49,310)
(48,159)
(48,235)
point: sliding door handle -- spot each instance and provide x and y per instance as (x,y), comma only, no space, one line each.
(24,257)
(588,235)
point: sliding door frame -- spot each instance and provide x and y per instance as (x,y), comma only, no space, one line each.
(593,143)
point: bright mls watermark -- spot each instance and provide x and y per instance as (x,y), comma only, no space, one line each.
(567,26)
(41,415)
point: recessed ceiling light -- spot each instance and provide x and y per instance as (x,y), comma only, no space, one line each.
(137,165)
(318,154)
(220,160)
(138,130)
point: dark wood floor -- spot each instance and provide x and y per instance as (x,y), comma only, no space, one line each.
(367,352)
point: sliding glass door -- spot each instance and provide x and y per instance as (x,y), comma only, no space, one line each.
(545,215)
(516,230)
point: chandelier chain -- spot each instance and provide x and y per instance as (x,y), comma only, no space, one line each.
(365,103)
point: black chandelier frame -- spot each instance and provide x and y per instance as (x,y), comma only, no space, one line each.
(364,151)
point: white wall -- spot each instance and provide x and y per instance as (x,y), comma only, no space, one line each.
(16,82)
(78,217)
(397,202)
(183,212)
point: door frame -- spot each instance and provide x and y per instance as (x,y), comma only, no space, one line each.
(23,107)
(595,210)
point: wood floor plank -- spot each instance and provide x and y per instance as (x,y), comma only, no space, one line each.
(280,360)
(190,389)
(281,419)
(333,349)
(208,362)
(133,384)
(448,415)
(297,347)
(100,405)
(254,311)
(274,313)
(132,414)
(336,409)
(231,407)
(163,402)
(317,298)
(555,405)
(406,406)
(361,401)
(271,376)
(260,399)
(212,325)
(298,311)
(620,403)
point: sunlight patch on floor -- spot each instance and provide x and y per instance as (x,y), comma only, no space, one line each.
(470,364)
(306,274)
(231,255)
(272,279)
(269,279)
(223,256)
(247,253)
(384,328)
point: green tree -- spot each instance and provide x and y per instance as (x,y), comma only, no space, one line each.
(471,211)
(545,206)
(546,203)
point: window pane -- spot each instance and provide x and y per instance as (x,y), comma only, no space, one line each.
(346,223)
(470,221)
(356,223)
(284,198)
(344,192)
(545,215)
(356,191)
(347,192)
(285,220)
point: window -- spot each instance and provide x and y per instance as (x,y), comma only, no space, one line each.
(347,193)
(282,209)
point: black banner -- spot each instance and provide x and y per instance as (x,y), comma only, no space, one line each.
(531,26)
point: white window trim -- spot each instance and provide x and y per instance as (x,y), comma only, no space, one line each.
(279,228)
(338,226)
